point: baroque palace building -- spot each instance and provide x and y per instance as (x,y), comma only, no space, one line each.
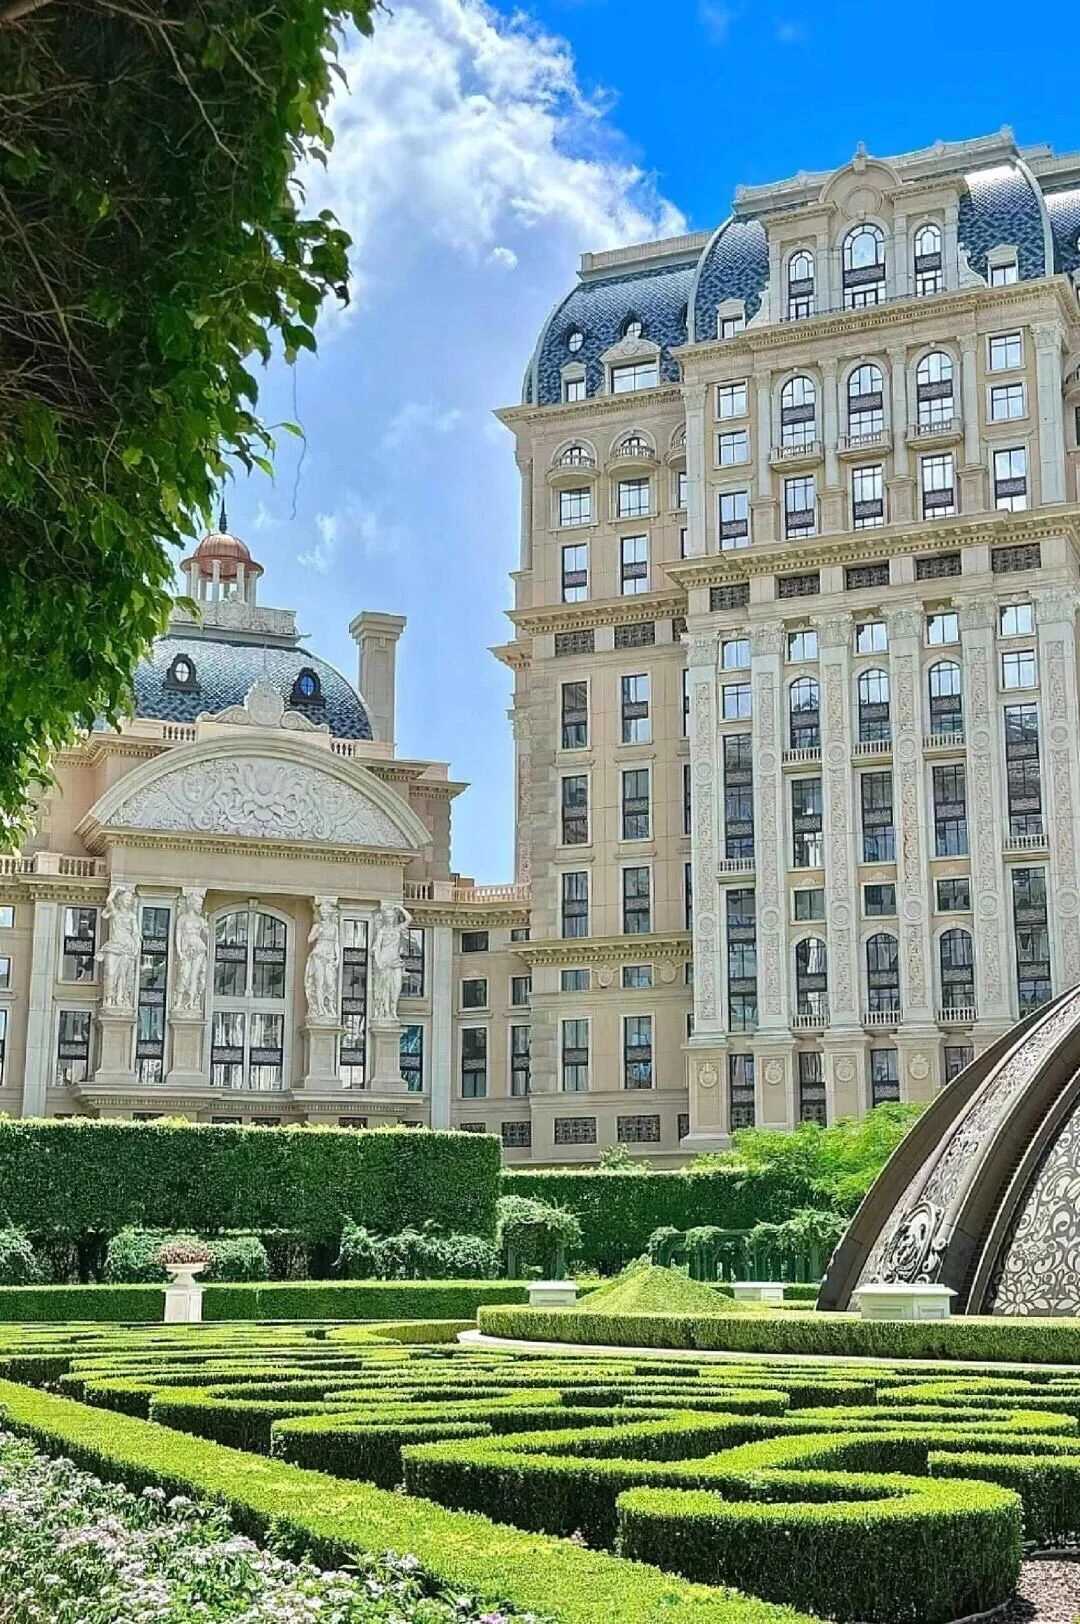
(797,798)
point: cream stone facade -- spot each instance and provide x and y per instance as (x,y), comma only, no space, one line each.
(797,800)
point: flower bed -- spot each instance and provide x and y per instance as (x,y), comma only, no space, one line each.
(73,1547)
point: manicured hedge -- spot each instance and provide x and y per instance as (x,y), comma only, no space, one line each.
(619,1211)
(265,1300)
(331,1518)
(82,1178)
(1046,1341)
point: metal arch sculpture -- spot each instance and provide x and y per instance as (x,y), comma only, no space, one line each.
(983,1195)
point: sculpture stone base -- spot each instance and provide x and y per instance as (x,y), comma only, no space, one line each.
(117,1028)
(552,1293)
(756,1291)
(904,1302)
(188,1037)
(385,1055)
(183,1294)
(321,1039)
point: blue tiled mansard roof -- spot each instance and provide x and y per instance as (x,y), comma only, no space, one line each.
(600,309)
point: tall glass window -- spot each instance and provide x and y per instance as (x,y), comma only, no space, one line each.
(575,715)
(247,1038)
(934,396)
(872,689)
(637,1051)
(153,981)
(1023,776)
(812,1087)
(811,979)
(520,1061)
(798,414)
(878,830)
(742,961)
(636,902)
(800,285)
(804,714)
(738,795)
(864,266)
(865,402)
(884,1076)
(928,267)
(411,1056)
(575,1056)
(575,904)
(77,962)
(806,823)
(474,1049)
(352,1045)
(1031,935)
(741,1090)
(882,973)
(946,699)
(957,959)
(950,811)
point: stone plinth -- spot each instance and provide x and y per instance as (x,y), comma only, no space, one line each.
(385,1056)
(756,1291)
(552,1293)
(903,1302)
(183,1294)
(188,1037)
(117,1028)
(321,1040)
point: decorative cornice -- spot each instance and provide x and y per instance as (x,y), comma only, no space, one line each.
(467,915)
(675,945)
(239,846)
(599,406)
(868,546)
(518,655)
(571,617)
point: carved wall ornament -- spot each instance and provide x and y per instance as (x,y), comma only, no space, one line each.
(919,1067)
(834,631)
(708,1076)
(668,974)
(905,623)
(977,615)
(767,637)
(322,969)
(844,1070)
(191,939)
(774,1073)
(605,975)
(119,957)
(1054,607)
(264,707)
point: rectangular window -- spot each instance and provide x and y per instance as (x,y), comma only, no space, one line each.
(638,1130)
(637,375)
(575,810)
(575,904)
(79,945)
(632,500)
(352,1045)
(954,896)
(575,1130)
(7,916)
(520,991)
(812,1087)
(867,497)
(871,637)
(733,447)
(637,1051)
(1023,778)
(575,715)
(884,1076)
(688,896)
(687,808)
(575,1056)
(573,389)
(1031,934)
(635,803)
(806,823)
(735,701)
(153,981)
(519,933)
(879,900)
(575,507)
(575,573)
(636,723)
(859,577)
(938,482)
(802,645)
(950,811)
(636,902)
(412,959)
(731,399)
(1002,275)
(1006,351)
(1019,669)
(1006,560)
(742,961)
(734,520)
(633,565)
(738,795)
(681,488)
(5,973)
(800,506)
(741,1090)
(809,903)
(686,704)
(636,634)
(574,981)
(520,1061)
(943,628)
(474,941)
(683,542)
(516,1135)
(937,566)
(798,586)
(736,595)
(957,1057)
(73,1046)
(635,977)
(730,326)
(1010,479)
(1016,620)
(474,1062)
(878,831)
(474,993)
(1007,400)
(411,1058)
(579,642)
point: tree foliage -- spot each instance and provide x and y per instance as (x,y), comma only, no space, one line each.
(155,241)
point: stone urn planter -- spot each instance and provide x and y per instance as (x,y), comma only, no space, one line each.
(183,1295)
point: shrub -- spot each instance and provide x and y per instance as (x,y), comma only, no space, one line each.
(137,1256)
(414,1255)
(358,1253)
(238,1257)
(537,1234)
(272,1300)
(19,1263)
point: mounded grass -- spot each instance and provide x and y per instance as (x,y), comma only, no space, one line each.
(648,1288)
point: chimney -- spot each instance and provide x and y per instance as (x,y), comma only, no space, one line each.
(376,637)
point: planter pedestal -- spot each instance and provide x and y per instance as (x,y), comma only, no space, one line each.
(757,1291)
(183,1294)
(902,1302)
(552,1293)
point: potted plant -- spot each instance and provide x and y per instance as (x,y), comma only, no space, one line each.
(183,1260)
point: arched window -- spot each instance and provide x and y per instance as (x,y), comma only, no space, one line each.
(873,692)
(946,700)
(634,327)
(864,266)
(576,456)
(798,413)
(957,958)
(307,689)
(247,1042)
(928,262)
(634,445)
(934,390)
(181,674)
(865,402)
(800,285)
(812,980)
(805,714)
(882,973)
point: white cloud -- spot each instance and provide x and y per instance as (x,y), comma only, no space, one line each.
(416,419)
(716,19)
(504,257)
(322,554)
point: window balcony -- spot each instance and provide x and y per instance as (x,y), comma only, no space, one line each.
(54,863)
(883,1017)
(961,1015)
(871,747)
(864,445)
(1021,843)
(811,1020)
(796,456)
(806,753)
(943,741)
(733,868)
(946,431)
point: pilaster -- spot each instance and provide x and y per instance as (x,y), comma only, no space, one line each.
(1048,341)
(972,476)
(910,813)
(774,1088)
(710,1125)
(769,824)
(763,449)
(39,1057)
(1056,624)
(898,397)
(830,421)
(985,810)
(441,1068)
(846,1089)
(705,793)
(695,398)
(834,639)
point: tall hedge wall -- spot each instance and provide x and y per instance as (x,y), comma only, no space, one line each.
(619,1211)
(81,1178)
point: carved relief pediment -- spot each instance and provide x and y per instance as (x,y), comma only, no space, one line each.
(630,349)
(264,707)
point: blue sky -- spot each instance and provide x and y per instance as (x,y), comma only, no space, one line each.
(478,151)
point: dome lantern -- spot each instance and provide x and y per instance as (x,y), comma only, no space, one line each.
(221,567)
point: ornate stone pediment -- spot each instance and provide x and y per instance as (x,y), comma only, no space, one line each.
(281,790)
(264,707)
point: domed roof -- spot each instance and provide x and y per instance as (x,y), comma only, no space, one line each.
(227,550)
(983,1194)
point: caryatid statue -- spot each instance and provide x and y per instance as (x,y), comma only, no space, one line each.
(323,961)
(119,957)
(389,937)
(192,938)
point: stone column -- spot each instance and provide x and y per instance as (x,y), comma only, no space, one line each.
(441,1065)
(840,829)
(972,474)
(918,1037)
(1048,338)
(950,262)
(1056,612)
(901,507)
(901,258)
(767,641)
(376,636)
(695,397)
(763,505)
(39,1040)
(708,1082)
(832,504)
(985,814)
